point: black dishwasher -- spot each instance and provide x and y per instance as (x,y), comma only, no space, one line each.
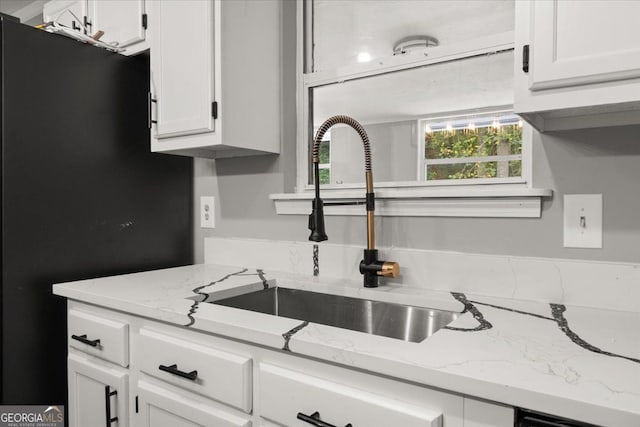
(526,418)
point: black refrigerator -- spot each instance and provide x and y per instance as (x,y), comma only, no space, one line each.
(82,195)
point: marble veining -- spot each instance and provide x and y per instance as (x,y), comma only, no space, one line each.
(260,273)
(571,282)
(557,311)
(316,261)
(287,335)
(511,310)
(513,351)
(470,308)
(205,296)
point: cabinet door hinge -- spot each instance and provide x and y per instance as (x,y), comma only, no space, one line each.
(144,21)
(525,58)
(136,404)
(214,109)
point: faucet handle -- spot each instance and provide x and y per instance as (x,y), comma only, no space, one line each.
(389,269)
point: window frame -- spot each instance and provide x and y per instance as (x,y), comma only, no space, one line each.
(517,198)
(306,82)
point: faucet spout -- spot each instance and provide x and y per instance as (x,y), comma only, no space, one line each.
(370,266)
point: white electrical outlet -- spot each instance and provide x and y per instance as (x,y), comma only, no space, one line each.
(207,212)
(583,220)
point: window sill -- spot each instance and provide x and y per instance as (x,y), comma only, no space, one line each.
(492,202)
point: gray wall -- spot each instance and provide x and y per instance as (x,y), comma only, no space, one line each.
(604,160)
(393,149)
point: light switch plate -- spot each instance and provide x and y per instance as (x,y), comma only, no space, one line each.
(583,220)
(207,212)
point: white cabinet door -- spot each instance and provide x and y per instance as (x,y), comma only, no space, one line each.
(582,42)
(160,407)
(94,390)
(182,63)
(70,13)
(121,20)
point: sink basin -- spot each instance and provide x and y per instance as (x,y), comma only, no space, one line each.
(403,322)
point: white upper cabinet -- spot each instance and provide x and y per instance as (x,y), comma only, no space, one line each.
(70,13)
(215,77)
(123,21)
(182,64)
(583,63)
(582,42)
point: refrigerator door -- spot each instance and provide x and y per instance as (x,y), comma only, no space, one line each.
(82,196)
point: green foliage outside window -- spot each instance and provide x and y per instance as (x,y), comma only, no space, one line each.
(325,176)
(325,157)
(481,142)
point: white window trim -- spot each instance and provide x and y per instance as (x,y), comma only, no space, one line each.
(463,198)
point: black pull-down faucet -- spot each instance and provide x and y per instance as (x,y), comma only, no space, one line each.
(370,266)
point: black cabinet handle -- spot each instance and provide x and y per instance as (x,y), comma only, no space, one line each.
(107,405)
(173,369)
(85,340)
(150,102)
(314,420)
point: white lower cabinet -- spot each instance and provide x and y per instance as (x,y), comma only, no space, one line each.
(290,398)
(98,391)
(195,366)
(480,413)
(161,407)
(178,377)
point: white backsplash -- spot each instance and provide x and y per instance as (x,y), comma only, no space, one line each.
(606,285)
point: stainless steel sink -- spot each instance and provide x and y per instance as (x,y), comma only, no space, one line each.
(402,322)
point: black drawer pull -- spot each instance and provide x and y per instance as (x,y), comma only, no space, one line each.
(107,405)
(83,339)
(173,369)
(314,420)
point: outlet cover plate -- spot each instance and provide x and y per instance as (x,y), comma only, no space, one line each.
(583,221)
(207,212)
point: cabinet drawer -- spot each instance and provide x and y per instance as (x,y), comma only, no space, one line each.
(196,367)
(161,407)
(101,337)
(284,394)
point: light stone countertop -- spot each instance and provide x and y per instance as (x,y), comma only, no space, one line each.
(580,363)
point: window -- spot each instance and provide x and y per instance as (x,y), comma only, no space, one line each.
(439,115)
(351,64)
(486,147)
